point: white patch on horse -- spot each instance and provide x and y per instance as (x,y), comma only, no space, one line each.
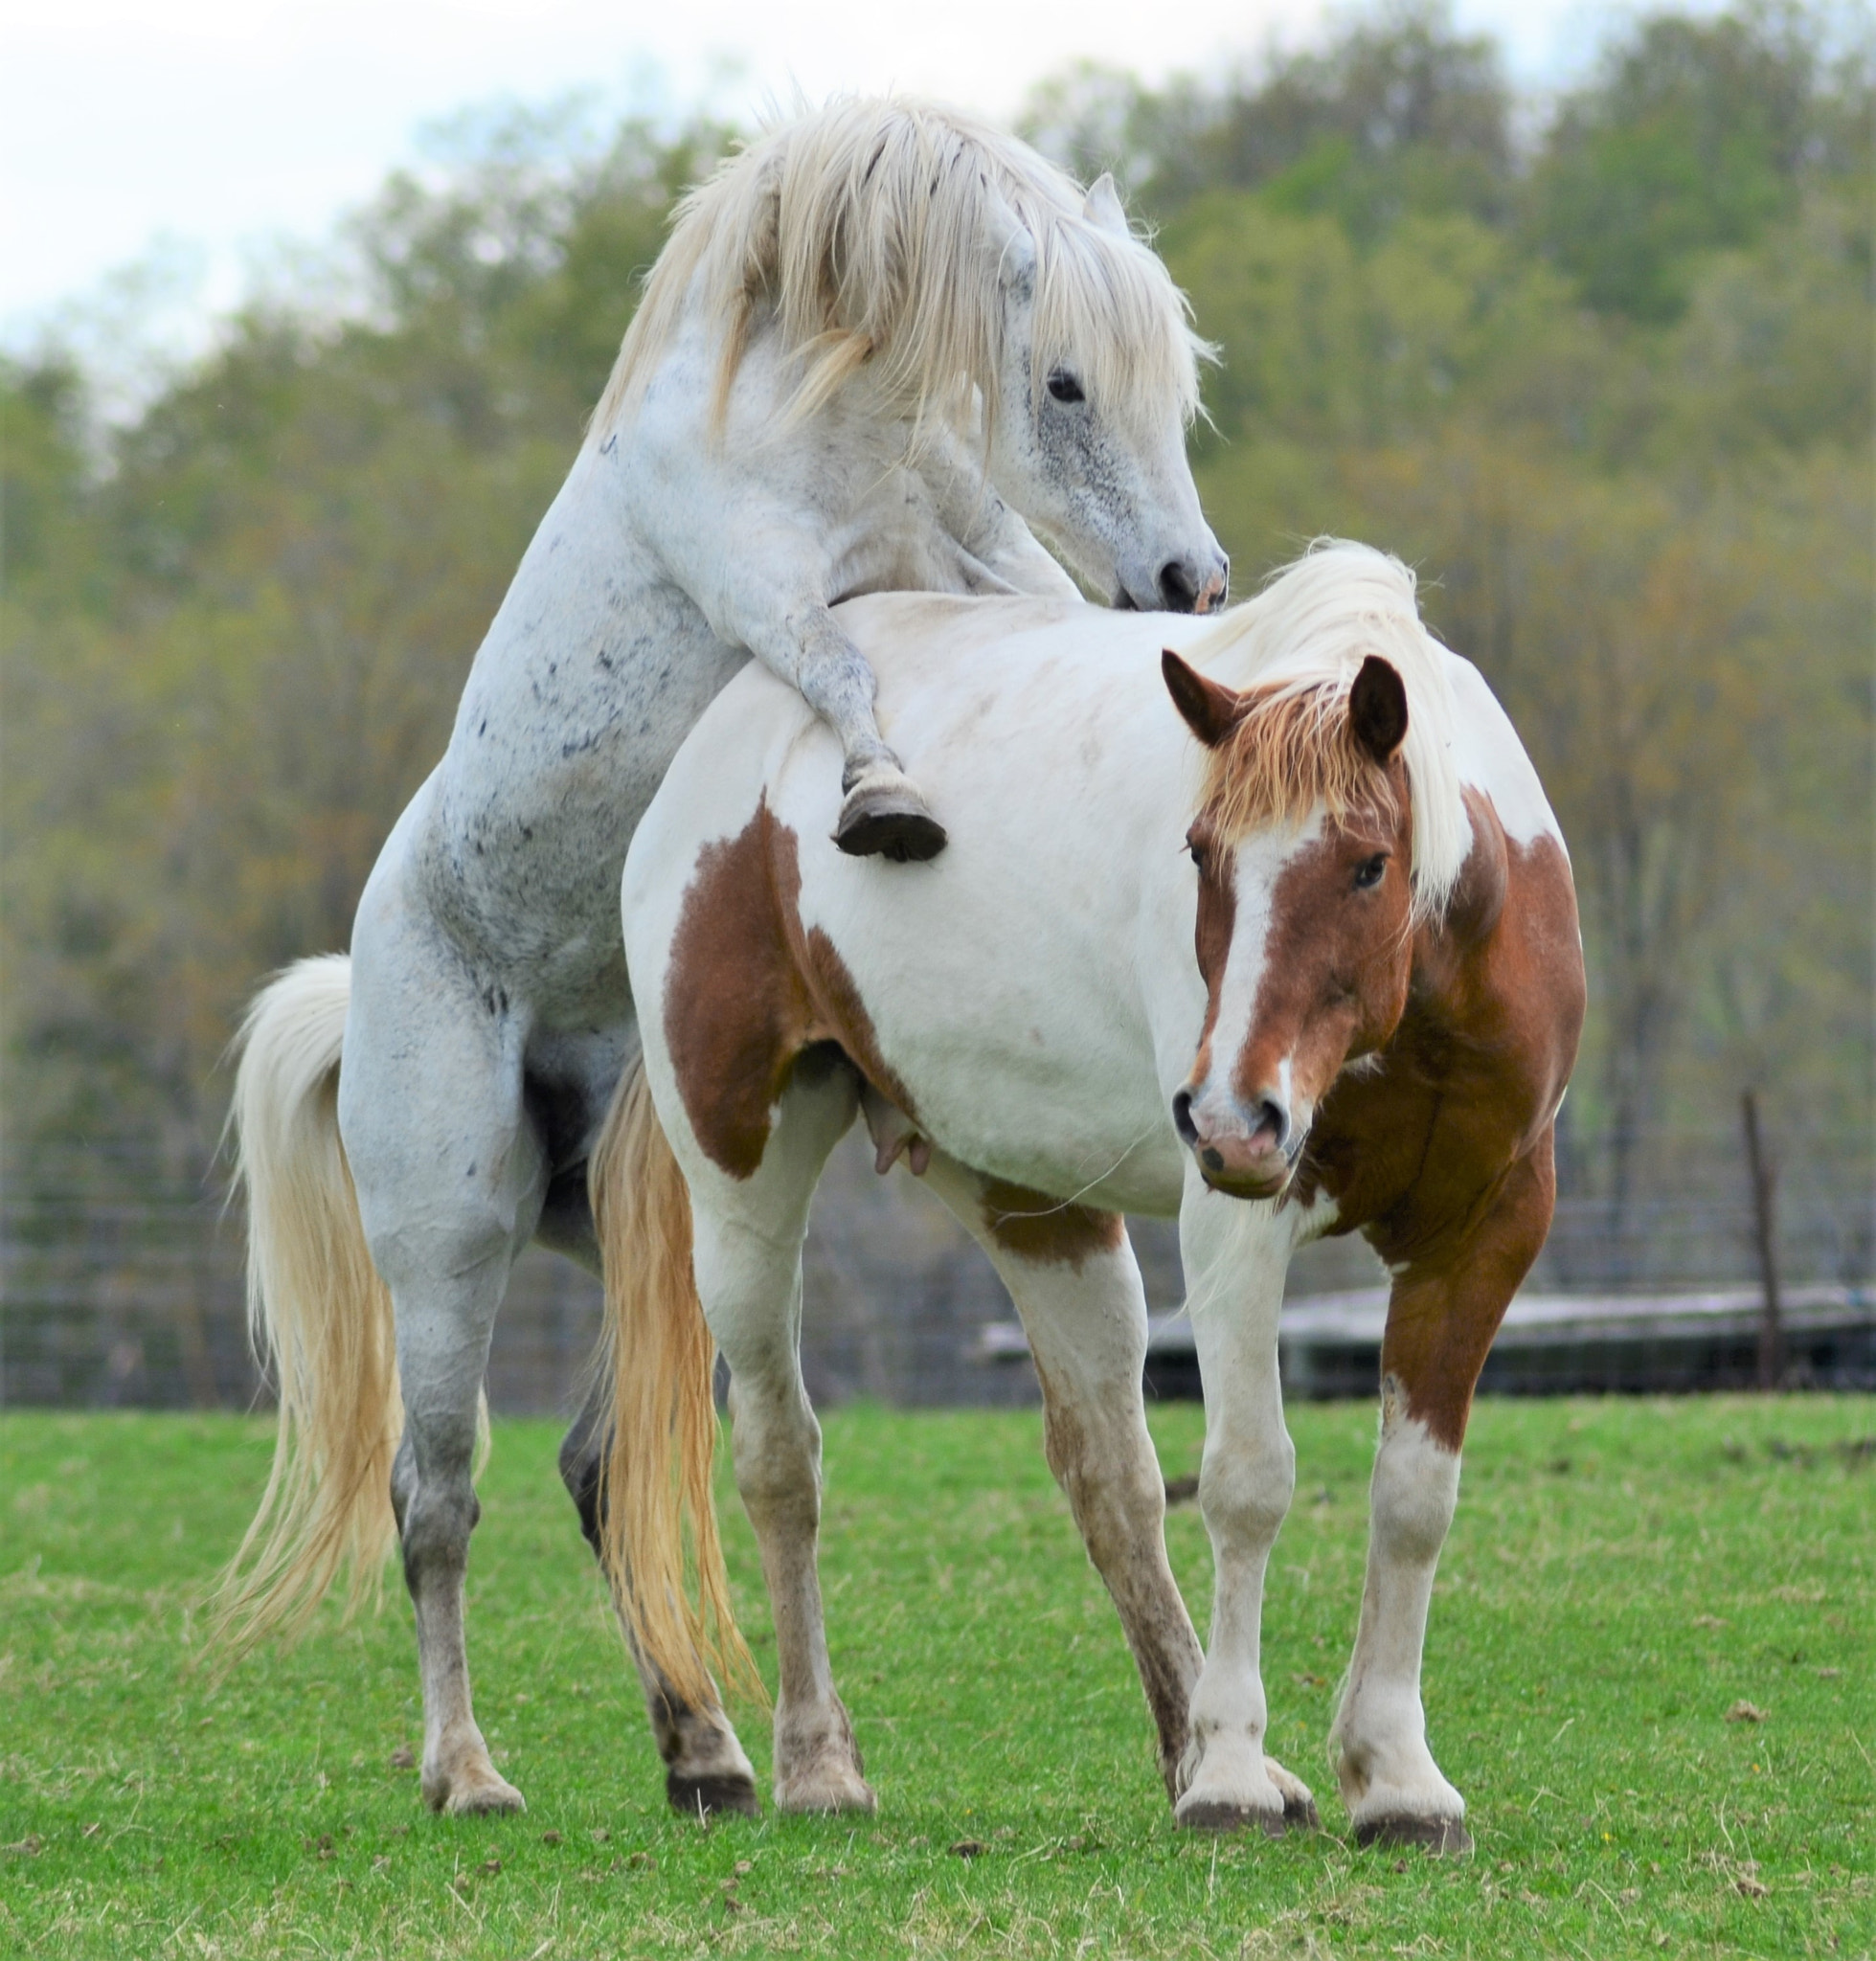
(1378,1744)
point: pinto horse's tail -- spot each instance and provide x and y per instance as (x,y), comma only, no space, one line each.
(658,1533)
(319,1318)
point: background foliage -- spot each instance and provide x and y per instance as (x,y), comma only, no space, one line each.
(1601,371)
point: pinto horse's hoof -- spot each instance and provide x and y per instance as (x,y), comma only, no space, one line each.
(1445,1836)
(706,1796)
(1232,1817)
(887,820)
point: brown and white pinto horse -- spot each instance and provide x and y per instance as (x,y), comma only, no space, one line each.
(1375,1036)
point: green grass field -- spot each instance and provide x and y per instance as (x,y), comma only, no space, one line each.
(1620,1576)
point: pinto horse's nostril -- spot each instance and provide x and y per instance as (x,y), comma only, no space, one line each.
(1271,1116)
(1181,1119)
(1178,590)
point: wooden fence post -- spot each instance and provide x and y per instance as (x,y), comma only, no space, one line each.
(1765,1230)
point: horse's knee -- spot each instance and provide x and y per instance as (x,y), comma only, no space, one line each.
(1413,1493)
(1245,1492)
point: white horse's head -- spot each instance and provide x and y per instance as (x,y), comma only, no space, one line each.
(1096,386)
(958,278)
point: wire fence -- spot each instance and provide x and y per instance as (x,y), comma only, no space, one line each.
(122,1285)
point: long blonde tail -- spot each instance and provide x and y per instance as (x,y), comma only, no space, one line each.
(655,1493)
(318,1314)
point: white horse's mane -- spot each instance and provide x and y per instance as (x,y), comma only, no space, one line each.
(1309,630)
(871,231)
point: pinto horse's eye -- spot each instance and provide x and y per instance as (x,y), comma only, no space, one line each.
(1370,872)
(1196,846)
(1063,386)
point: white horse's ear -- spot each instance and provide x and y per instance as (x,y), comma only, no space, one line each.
(1009,238)
(1104,207)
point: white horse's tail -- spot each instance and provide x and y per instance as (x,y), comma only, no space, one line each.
(659,1540)
(317,1311)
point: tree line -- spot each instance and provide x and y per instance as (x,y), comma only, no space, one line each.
(1601,372)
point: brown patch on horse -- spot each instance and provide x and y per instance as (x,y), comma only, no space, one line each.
(747,990)
(1442,1154)
(1049,1232)
(736,1008)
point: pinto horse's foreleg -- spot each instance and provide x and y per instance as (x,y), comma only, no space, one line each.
(748,1237)
(1072,1274)
(1235,1257)
(1445,1310)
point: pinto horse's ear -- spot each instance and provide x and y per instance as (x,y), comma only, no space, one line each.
(1210,708)
(1377,708)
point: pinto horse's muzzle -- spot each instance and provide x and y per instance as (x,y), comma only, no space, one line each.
(1247,1152)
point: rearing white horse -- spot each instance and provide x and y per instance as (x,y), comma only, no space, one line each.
(878,340)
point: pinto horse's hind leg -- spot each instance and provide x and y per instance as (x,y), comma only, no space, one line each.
(1072,1276)
(1440,1323)
(705,1766)
(748,1237)
(1235,1257)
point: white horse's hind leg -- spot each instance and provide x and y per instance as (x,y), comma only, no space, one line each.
(748,1239)
(451,1180)
(1072,1276)
(1235,1257)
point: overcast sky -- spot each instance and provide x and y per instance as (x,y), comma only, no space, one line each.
(223,124)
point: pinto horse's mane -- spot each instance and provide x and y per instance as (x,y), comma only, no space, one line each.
(872,232)
(1295,651)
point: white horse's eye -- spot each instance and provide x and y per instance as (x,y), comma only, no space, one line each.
(1063,386)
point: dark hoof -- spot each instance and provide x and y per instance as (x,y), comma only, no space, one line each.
(888,822)
(1299,1815)
(705,1797)
(1232,1817)
(1446,1837)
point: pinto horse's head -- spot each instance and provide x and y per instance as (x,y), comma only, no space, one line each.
(1305,925)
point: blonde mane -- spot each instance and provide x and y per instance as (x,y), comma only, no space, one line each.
(1297,648)
(870,232)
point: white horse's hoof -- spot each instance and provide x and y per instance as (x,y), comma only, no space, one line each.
(885,817)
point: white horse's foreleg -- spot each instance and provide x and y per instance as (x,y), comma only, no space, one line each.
(748,1255)
(1072,1276)
(1235,1256)
(883,810)
(449,1179)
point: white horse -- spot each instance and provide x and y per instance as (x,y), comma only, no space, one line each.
(875,338)
(1375,1036)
